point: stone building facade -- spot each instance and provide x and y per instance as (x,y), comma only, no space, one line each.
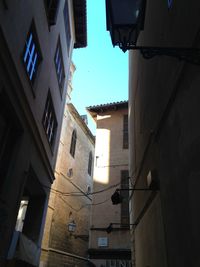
(70,199)
(36,43)
(165,139)
(109,232)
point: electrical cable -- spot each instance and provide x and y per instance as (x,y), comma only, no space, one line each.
(112,166)
(79,193)
(83,206)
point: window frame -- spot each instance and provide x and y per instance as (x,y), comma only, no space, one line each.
(50,8)
(59,66)
(67,25)
(125,216)
(73,143)
(90,160)
(125,132)
(48,114)
(31,55)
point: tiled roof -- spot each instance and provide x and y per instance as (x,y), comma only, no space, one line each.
(80,18)
(108,106)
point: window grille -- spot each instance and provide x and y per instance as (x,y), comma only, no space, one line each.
(58,59)
(49,120)
(31,54)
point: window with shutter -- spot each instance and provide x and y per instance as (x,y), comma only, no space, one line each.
(60,71)
(49,120)
(52,10)
(125,195)
(125,132)
(90,164)
(73,143)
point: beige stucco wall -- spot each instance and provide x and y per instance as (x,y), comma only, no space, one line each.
(110,159)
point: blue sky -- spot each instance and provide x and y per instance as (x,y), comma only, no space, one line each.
(101,74)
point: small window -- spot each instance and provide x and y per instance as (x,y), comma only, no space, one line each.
(88,191)
(49,120)
(90,164)
(125,195)
(52,10)
(58,59)
(21,215)
(32,55)
(169,2)
(125,132)
(73,143)
(67,24)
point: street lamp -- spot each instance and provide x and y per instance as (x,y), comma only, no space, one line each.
(71,226)
(125,20)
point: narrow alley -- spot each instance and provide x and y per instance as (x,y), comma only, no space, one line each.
(99,140)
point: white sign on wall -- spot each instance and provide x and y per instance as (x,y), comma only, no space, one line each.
(102,242)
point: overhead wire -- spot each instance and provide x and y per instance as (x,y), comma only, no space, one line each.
(62,194)
(83,206)
(79,193)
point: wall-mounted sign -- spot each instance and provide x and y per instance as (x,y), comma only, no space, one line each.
(102,242)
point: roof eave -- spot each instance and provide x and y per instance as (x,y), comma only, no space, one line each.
(105,107)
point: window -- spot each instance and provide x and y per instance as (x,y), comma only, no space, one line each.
(49,120)
(73,143)
(169,2)
(125,132)
(32,55)
(58,59)
(21,215)
(125,195)
(33,217)
(90,164)
(67,24)
(52,10)
(88,191)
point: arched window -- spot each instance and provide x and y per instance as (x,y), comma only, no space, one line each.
(73,143)
(90,163)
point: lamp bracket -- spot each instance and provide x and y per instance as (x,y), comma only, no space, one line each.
(135,189)
(83,237)
(110,228)
(117,198)
(188,54)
